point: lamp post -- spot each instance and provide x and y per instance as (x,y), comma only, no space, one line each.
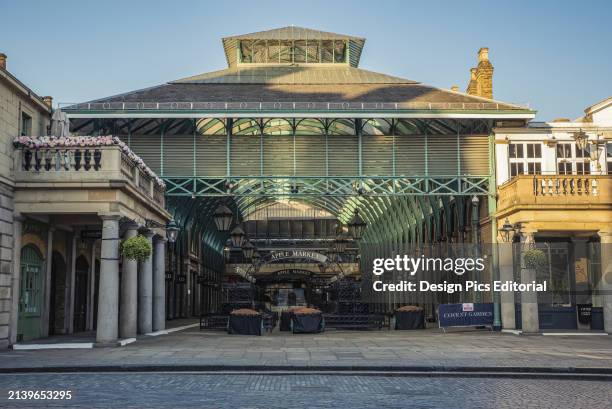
(356,226)
(223,217)
(237,236)
(248,249)
(506,231)
(172,231)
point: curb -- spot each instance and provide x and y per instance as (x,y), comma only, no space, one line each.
(411,371)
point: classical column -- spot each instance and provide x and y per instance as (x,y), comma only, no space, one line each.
(506,273)
(16,290)
(129,292)
(145,291)
(159,284)
(108,292)
(48,266)
(529,299)
(605,286)
(69,304)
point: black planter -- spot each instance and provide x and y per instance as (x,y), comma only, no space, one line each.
(307,323)
(409,320)
(245,325)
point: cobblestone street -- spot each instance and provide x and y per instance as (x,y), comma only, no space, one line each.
(162,390)
(335,348)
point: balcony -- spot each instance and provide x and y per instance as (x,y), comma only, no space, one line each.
(99,173)
(555,192)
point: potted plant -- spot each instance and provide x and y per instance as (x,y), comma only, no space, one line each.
(307,320)
(535,259)
(409,317)
(245,321)
(136,248)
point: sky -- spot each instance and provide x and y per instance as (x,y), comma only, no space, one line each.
(554,55)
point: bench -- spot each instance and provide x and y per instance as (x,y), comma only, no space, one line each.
(356,321)
(214,321)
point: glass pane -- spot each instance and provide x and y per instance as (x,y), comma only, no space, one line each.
(339,51)
(246,51)
(538,150)
(609,150)
(327,51)
(260,52)
(299,51)
(312,52)
(286,54)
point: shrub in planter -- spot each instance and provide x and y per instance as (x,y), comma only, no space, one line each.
(245,311)
(409,308)
(136,248)
(535,259)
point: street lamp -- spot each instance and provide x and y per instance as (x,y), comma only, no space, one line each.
(506,231)
(227,251)
(356,226)
(172,231)
(223,217)
(248,250)
(237,236)
(255,257)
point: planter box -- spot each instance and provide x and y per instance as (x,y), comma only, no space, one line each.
(409,320)
(307,323)
(245,325)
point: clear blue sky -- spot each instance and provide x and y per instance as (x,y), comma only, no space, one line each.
(555,55)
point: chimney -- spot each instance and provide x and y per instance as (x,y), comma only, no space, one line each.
(48,101)
(455,88)
(484,74)
(3,61)
(472,88)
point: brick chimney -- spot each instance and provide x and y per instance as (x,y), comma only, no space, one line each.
(472,89)
(484,74)
(48,101)
(3,61)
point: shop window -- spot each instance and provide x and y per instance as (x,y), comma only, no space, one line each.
(525,158)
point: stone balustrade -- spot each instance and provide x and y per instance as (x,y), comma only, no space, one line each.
(84,165)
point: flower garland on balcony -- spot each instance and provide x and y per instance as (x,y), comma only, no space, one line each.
(45,142)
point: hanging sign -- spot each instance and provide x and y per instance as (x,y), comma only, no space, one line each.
(181,278)
(91,234)
(306,254)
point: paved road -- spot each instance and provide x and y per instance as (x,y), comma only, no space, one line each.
(335,348)
(164,390)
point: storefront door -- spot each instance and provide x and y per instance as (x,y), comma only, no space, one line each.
(31,294)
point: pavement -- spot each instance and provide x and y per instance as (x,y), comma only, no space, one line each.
(423,350)
(189,390)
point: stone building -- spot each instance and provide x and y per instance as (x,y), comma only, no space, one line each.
(554,190)
(22,112)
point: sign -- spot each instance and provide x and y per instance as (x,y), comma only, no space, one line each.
(168,276)
(465,315)
(585,312)
(181,279)
(91,234)
(307,254)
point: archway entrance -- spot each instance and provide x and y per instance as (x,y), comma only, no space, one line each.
(31,294)
(80,294)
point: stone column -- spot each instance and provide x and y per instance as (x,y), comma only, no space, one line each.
(145,291)
(16,284)
(47,296)
(506,273)
(605,286)
(108,292)
(529,299)
(71,282)
(129,292)
(159,284)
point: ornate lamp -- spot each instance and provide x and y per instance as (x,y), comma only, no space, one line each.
(357,226)
(248,250)
(223,217)
(172,231)
(238,237)
(506,231)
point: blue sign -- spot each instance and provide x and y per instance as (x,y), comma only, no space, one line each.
(465,315)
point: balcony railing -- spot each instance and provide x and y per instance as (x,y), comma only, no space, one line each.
(96,166)
(566,185)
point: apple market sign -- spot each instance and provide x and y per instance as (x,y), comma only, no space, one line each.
(297,254)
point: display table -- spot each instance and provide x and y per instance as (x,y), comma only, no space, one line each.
(245,325)
(307,323)
(409,320)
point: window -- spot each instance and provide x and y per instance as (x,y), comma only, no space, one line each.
(525,158)
(609,157)
(571,160)
(26,124)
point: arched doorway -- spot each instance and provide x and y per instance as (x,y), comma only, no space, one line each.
(80,294)
(57,301)
(31,294)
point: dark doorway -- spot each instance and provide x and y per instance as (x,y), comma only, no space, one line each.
(95,304)
(80,294)
(57,307)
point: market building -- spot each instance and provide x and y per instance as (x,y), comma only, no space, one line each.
(297,142)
